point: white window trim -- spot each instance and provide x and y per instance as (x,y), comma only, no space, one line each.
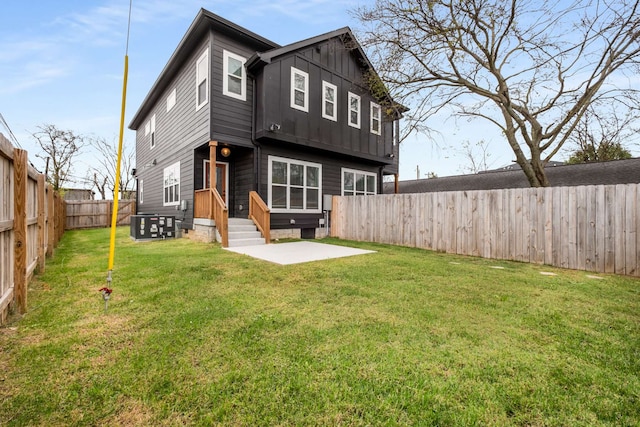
(200,79)
(152,139)
(171,100)
(304,107)
(354,172)
(175,167)
(359,111)
(225,78)
(141,191)
(372,108)
(297,162)
(325,115)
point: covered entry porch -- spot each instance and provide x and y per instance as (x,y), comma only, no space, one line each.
(228,186)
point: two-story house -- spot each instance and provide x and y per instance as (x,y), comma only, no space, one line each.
(282,126)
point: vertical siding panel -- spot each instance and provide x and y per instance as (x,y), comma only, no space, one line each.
(476,223)
(600,228)
(548,225)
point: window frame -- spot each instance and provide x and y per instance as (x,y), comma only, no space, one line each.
(288,185)
(372,118)
(226,55)
(171,99)
(152,132)
(325,115)
(356,172)
(199,79)
(305,107)
(358,111)
(166,175)
(141,191)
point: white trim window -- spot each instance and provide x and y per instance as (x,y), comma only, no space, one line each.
(202,80)
(329,101)
(294,185)
(171,100)
(376,119)
(171,185)
(354,110)
(299,90)
(234,82)
(141,191)
(358,183)
(152,140)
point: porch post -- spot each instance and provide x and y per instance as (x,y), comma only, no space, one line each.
(396,187)
(212,175)
(212,163)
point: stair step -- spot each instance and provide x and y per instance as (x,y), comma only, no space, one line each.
(246,242)
(235,227)
(252,234)
(240,221)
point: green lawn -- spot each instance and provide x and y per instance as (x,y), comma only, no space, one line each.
(195,335)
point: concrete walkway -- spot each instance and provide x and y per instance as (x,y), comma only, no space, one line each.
(297,252)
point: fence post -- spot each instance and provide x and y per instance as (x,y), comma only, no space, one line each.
(41,223)
(20,228)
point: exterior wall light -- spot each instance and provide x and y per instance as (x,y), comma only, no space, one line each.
(225,151)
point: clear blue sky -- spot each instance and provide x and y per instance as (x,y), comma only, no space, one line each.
(61,63)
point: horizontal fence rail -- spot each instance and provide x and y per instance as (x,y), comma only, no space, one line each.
(593,228)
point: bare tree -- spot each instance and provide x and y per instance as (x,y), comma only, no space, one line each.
(59,148)
(600,135)
(477,156)
(530,67)
(103,170)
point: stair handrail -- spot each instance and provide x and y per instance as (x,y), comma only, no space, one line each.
(220,214)
(260,214)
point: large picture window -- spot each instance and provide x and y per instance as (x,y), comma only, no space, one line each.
(235,77)
(329,101)
(202,80)
(358,183)
(171,185)
(354,110)
(294,185)
(299,90)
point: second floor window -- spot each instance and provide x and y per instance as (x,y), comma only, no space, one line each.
(152,127)
(376,119)
(202,80)
(354,110)
(235,77)
(299,90)
(329,101)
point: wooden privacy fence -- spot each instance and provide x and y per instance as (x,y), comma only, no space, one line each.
(97,213)
(593,228)
(31,224)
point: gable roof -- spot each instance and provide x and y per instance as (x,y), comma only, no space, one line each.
(203,21)
(600,173)
(260,59)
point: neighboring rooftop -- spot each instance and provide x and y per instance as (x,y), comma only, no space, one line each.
(611,172)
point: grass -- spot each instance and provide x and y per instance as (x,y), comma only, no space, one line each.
(195,335)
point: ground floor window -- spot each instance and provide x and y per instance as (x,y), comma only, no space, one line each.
(171,185)
(294,185)
(358,183)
